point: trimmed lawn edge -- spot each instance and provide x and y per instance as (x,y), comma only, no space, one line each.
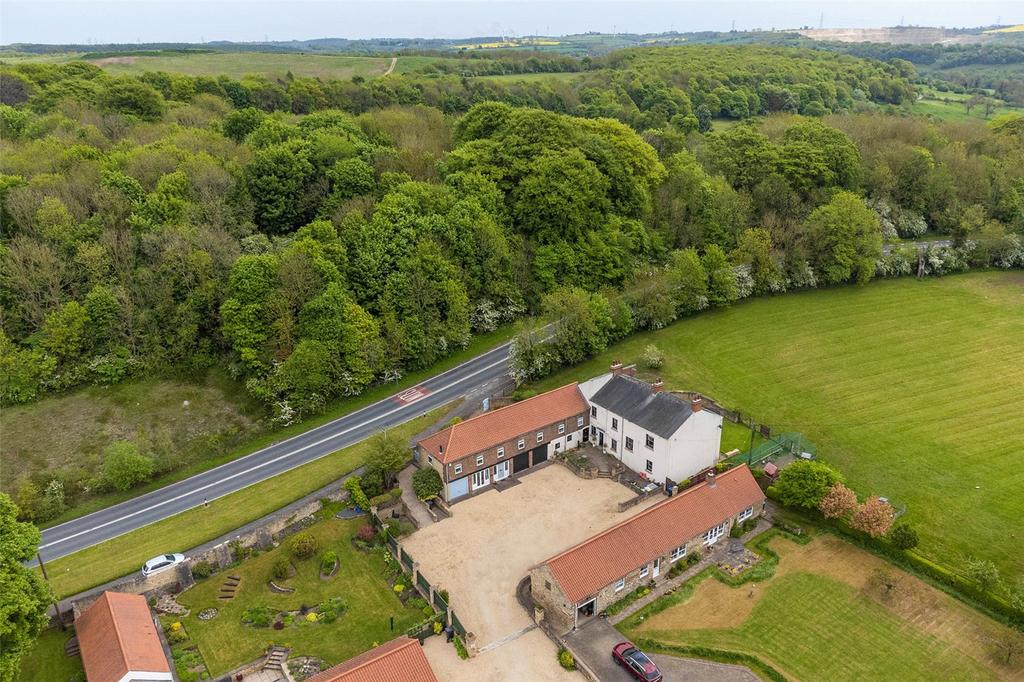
(339,408)
(756,665)
(936,575)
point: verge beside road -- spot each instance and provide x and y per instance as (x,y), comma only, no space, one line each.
(126,553)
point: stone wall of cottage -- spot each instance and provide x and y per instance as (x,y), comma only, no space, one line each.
(560,612)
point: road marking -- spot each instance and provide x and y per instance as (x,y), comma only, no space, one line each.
(260,466)
(411,395)
(322,427)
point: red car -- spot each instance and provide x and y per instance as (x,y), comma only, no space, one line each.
(636,662)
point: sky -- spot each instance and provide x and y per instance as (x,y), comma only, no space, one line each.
(130,21)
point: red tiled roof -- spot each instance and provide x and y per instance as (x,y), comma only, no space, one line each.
(400,660)
(506,423)
(117,635)
(595,563)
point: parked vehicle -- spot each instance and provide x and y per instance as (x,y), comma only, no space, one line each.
(164,562)
(637,663)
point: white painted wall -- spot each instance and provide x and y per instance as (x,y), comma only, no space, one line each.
(693,447)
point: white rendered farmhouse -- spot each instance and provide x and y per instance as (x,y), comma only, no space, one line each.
(659,435)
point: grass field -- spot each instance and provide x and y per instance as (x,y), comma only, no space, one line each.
(826,614)
(238,64)
(46,661)
(949,106)
(226,643)
(912,388)
(122,555)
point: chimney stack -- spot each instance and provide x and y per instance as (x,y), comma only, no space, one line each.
(709,478)
(616,367)
(697,404)
(657,385)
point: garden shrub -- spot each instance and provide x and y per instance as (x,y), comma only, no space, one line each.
(355,493)
(202,569)
(902,536)
(281,569)
(258,616)
(804,483)
(653,358)
(366,533)
(304,545)
(327,561)
(460,648)
(565,659)
(426,483)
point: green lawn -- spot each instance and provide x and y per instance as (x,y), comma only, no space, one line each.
(949,106)
(124,554)
(815,628)
(911,388)
(47,661)
(226,643)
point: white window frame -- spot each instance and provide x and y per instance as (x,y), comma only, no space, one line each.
(480,479)
(628,444)
(501,452)
(540,436)
(649,441)
(568,439)
(746,514)
(430,460)
(458,468)
(479,460)
(615,423)
(615,445)
(649,467)
(579,422)
(561,429)
(714,533)
(620,584)
(593,411)
(522,443)
(677,554)
(644,570)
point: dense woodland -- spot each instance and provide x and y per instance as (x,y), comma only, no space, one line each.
(320,236)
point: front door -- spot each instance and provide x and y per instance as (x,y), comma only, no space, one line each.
(481,478)
(657,567)
(501,471)
(600,439)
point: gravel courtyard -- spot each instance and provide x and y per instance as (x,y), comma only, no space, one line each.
(489,544)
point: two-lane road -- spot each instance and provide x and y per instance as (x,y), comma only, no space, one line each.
(159,504)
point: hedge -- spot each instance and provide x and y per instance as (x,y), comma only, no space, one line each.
(385,497)
(720,655)
(934,574)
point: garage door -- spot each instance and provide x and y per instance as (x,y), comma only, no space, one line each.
(458,488)
(520,462)
(540,454)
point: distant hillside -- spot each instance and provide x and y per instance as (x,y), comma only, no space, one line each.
(901,35)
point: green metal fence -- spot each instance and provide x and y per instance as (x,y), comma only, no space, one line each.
(441,604)
(458,625)
(423,583)
(791,443)
(407,559)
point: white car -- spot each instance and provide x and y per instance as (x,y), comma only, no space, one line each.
(162,563)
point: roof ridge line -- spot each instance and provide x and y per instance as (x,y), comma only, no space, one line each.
(117,630)
(650,509)
(518,402)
